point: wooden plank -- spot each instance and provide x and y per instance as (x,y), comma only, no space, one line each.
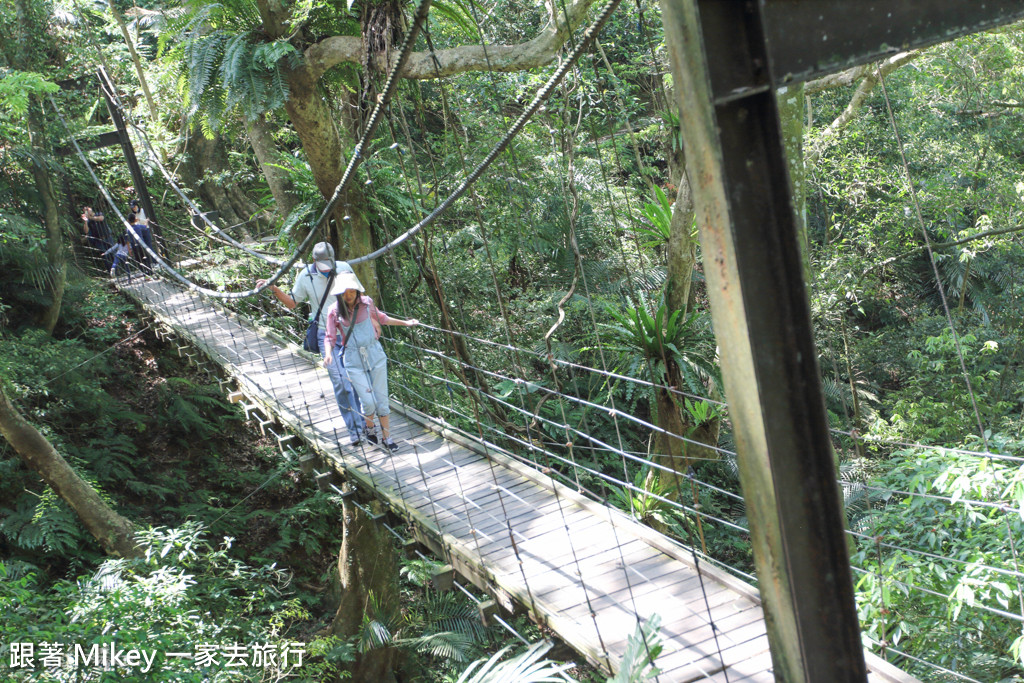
(648,597)
(705,656)
(578,574)
(552,540)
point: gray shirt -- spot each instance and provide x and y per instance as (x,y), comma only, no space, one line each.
(310,286)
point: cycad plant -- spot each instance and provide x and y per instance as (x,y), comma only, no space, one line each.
(636,666)
(441,624)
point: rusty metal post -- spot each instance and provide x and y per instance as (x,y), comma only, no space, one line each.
(736,167)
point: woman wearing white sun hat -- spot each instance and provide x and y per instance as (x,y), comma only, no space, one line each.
(352,316)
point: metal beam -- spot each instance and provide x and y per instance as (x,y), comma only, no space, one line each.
(102,140)
(810,38)
(736,168)
(141,190)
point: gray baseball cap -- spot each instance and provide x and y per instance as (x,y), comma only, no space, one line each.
(323,256)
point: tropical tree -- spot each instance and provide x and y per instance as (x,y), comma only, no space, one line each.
(678,354)
(26,54)
(266,55)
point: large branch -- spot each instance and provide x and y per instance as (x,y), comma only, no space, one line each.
(539,51)
(840,79)
(943,245)
(115,533)
(871,76)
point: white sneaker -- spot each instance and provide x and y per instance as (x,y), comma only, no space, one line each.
(113,275)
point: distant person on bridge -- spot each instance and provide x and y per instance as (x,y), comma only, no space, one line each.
(140,213)
(121,251)
(142,230)
(357,319)
(95,231)
(312,286)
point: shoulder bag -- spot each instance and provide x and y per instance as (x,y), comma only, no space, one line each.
(312,341)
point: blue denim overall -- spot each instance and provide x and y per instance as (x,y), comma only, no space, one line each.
(367,368)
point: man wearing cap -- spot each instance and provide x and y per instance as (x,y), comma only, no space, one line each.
(311,286)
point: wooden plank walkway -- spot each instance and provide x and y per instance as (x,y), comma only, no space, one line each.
(583,569)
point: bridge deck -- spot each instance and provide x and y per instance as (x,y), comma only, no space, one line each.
(583,569)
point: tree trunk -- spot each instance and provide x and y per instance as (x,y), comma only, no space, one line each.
(368,573)
(670,450)
(54,246)
(113,532)
(207,160)
(119,20)
(315,126)
(681,257)
(682,250)
(259,132)
(28,32)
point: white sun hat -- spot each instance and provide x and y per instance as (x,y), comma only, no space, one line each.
(346,280)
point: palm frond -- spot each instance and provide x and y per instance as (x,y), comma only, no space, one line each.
(526,667)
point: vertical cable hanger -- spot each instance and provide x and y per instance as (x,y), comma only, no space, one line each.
(935,268)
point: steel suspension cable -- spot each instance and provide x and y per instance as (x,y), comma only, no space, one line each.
(931,257)
(543,94)
(349,173)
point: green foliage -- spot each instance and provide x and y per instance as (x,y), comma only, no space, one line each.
(190,407)
(442,628)
(647,501)
(17,86)
(970,560)
(225,65)
(642,649)
(529,666)
(659,216)
(526,667)
(419,571)
(447,627)
(666,337)
(183,592)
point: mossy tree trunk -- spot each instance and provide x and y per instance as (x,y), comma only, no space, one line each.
(368,575)
(26,56)
(281,186)
(681,262)
(114,533)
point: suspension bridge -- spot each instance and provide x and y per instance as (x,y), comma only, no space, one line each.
(585,570)
(524,534)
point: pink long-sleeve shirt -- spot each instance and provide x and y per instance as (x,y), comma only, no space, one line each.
(337,323)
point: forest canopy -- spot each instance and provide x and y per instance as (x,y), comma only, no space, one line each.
(565,313)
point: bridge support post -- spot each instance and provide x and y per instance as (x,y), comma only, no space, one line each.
(324,480)
(444,578)
(307,462)
(107,90)
(487,610)
(748,231)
